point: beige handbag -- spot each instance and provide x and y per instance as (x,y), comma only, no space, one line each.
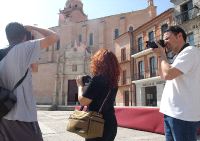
(87,124)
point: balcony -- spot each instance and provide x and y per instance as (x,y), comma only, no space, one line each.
(145,74)
(187,15)
(124,61)
(136,53)
(125,82)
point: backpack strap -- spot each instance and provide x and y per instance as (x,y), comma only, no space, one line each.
(20,81)
(3,53)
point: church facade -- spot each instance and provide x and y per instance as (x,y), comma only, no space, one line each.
(80,38)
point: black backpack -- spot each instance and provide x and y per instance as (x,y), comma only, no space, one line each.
(7,97)
(3,52)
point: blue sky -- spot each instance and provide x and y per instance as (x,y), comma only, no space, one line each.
(44,13)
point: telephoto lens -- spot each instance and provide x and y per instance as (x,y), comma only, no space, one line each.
(154,45)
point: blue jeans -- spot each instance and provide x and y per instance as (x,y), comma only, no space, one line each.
(179,130)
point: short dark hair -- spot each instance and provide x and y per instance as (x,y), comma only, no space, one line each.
(177,29)
(15,33)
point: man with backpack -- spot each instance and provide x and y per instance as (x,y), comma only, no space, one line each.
(21,124)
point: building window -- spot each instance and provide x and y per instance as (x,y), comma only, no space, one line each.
(72,44)
(124,77)
(91,42)
(153,66)
(151,96)
(141,70)
(164,27)
(190,39)
(116,33)
(151,36)
(74,67)
(80,38)
(47,49)
(140,44)
(121,18)
(58,45)
(186,11)
(123,54)
(126,98)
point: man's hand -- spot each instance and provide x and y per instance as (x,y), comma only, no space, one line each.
(160,51)
(29,28)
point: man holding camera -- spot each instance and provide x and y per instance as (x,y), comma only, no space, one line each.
(20,124)
(180,99)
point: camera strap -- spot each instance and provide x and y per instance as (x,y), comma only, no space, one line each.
(184,46)
(174,55)
(167,54)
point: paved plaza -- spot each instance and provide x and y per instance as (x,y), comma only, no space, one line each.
(53,125)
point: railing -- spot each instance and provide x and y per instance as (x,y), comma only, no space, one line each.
(135,51)
(145,74)
(125,81)
(187,15)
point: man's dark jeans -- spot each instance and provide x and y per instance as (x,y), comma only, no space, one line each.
(179,130)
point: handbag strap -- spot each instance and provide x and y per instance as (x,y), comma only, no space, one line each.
(20,81)
(100,109)
(104,101)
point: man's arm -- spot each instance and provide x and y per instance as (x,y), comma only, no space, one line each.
(50,37)
(34,67)
(167,72)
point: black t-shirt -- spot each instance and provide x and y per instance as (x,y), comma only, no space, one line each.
(97,91)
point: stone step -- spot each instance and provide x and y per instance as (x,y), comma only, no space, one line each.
(55,108)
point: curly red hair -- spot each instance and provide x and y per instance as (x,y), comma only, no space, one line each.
(105,63)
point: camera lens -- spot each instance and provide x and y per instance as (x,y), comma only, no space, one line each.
(151,44)
(154,45)
(86,79)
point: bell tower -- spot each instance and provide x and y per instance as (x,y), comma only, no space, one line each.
(150,3)
(72,12)
(152,8)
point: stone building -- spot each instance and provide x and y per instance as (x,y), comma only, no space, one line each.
(140,84)
(187,15)
(60,64)
(122,50)
(148,85)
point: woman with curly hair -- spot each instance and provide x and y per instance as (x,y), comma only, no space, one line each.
(105,71)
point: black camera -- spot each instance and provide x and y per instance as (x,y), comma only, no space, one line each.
(153,44)
(85,80)
(29,36)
